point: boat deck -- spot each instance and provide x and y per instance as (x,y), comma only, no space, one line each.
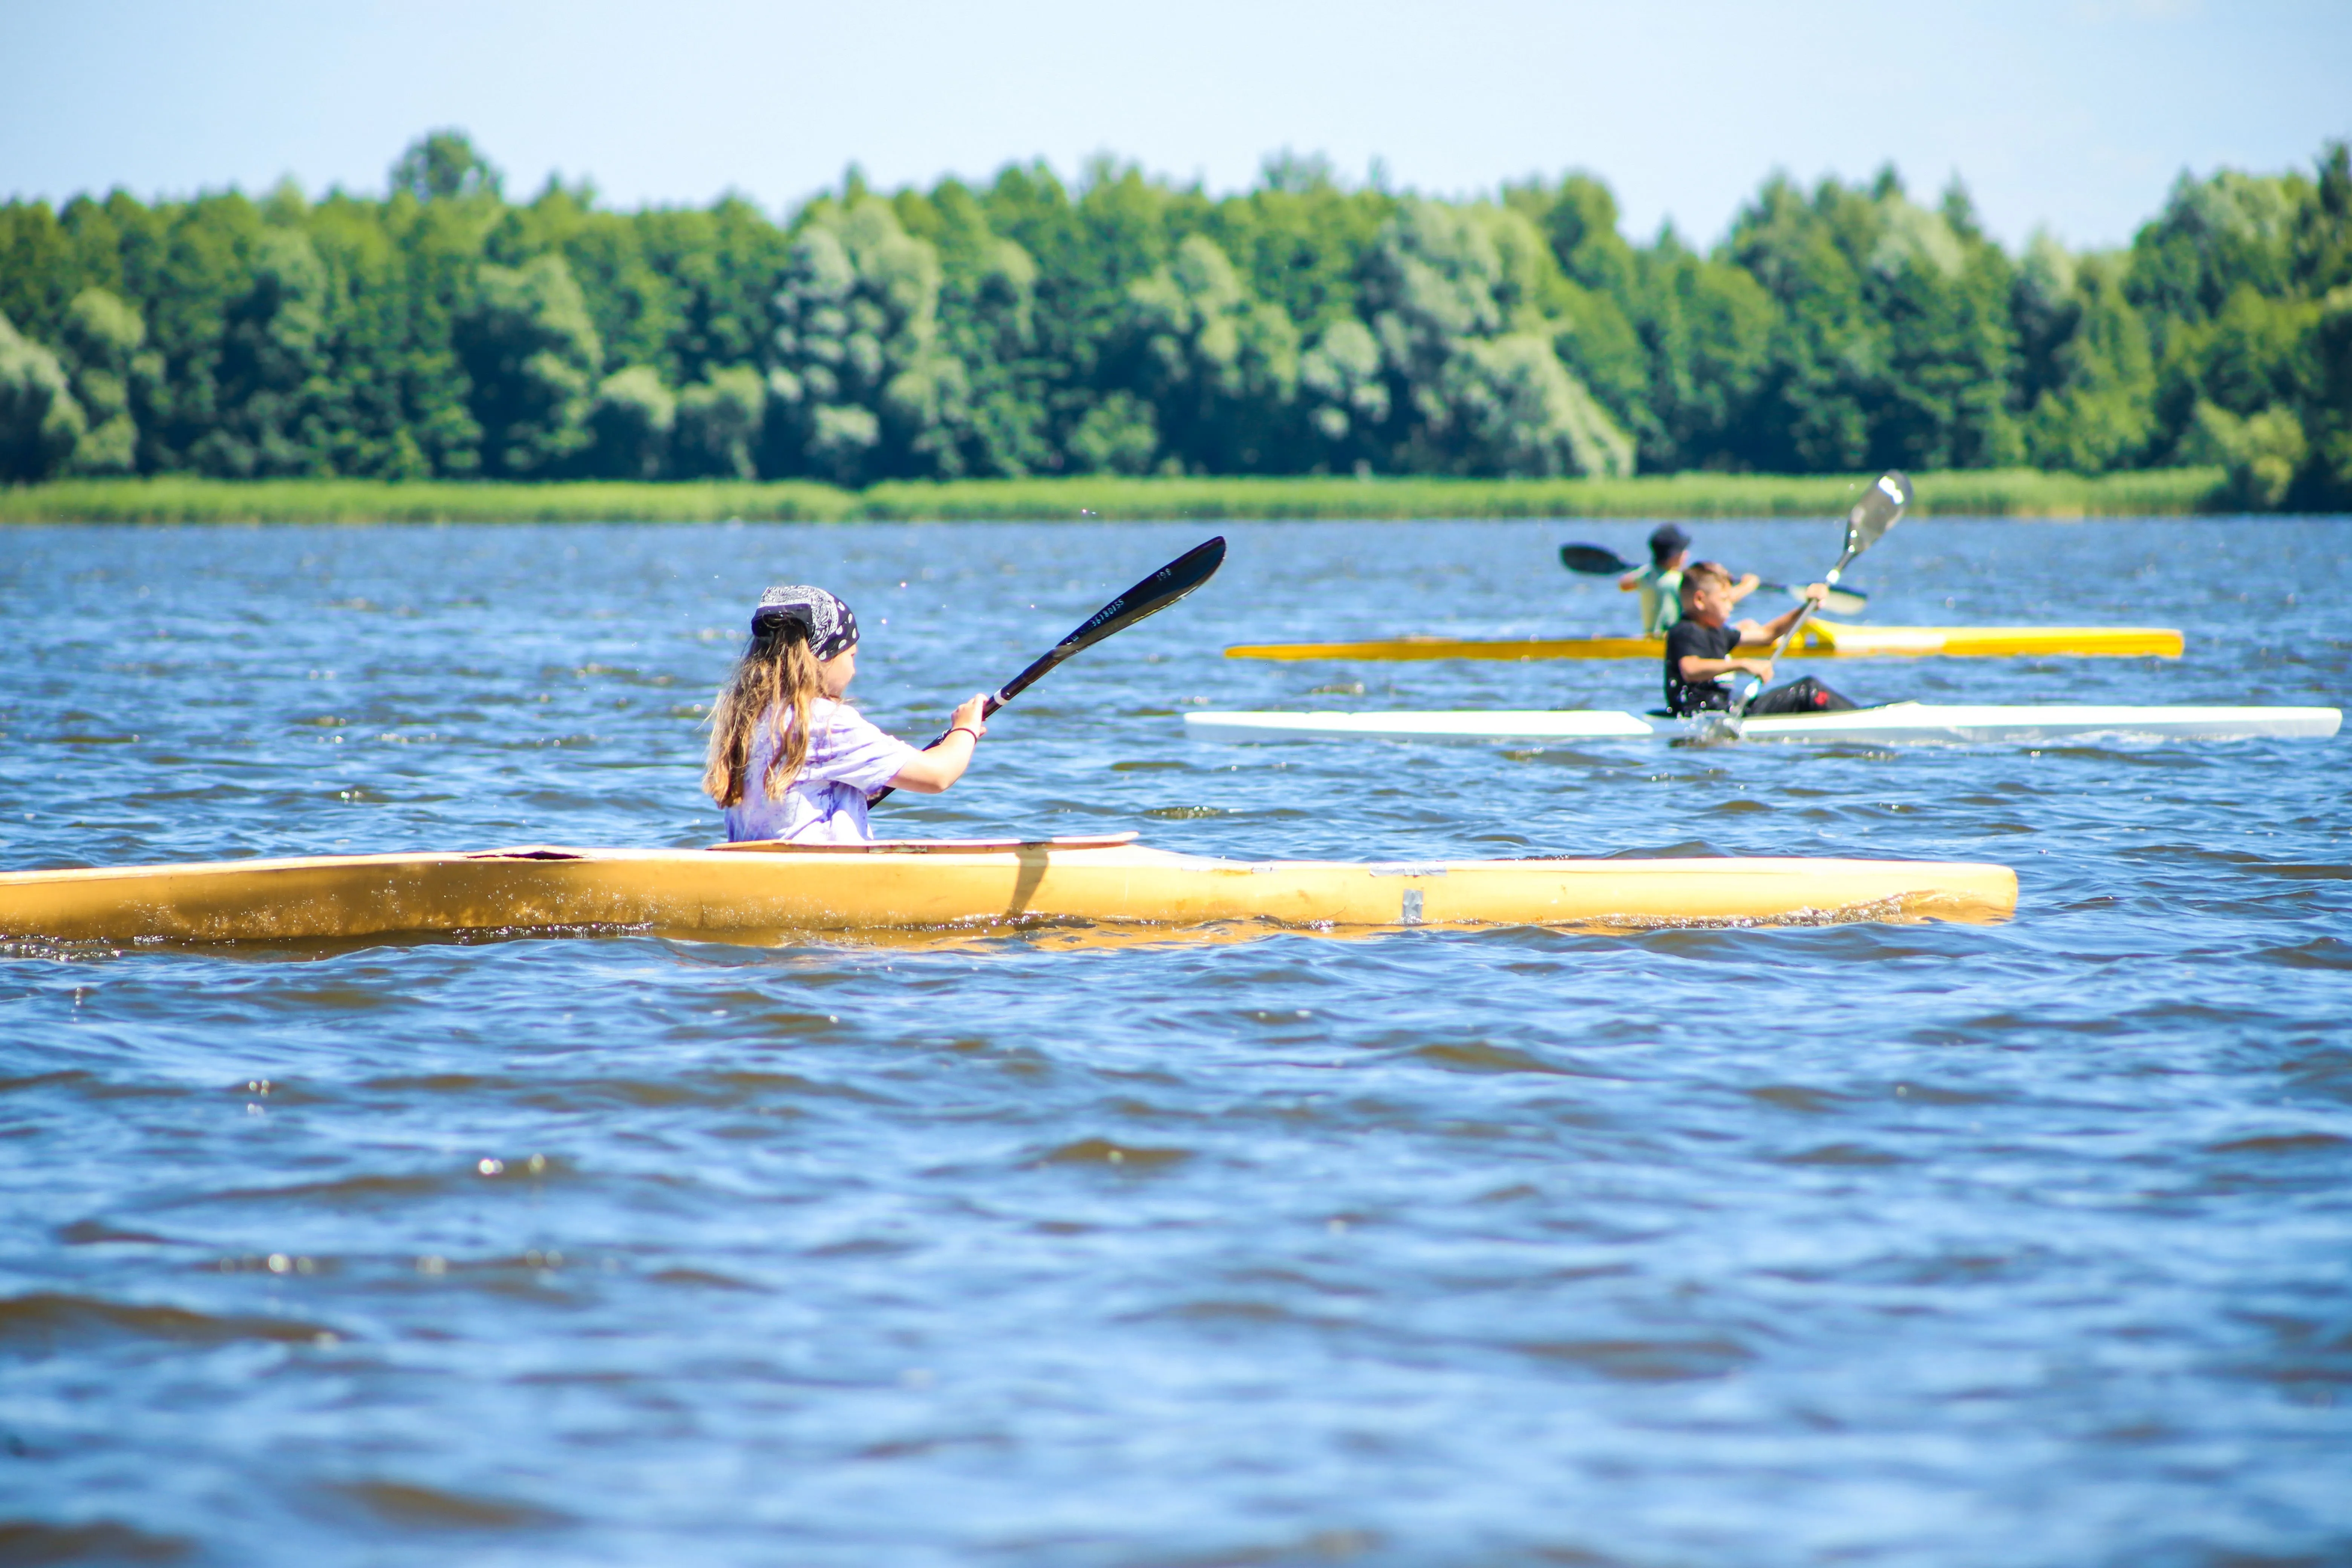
(1896,723)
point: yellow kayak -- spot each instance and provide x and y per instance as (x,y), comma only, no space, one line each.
(740,891)
(1820,639)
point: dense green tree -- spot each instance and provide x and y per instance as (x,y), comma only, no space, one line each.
(355,404)
(200,267)
(988,323)
(1119,434)
(2215,235)
(862,388)
(719,424)
(104,340)
(1597,301)
(635,308)
(1893,343)
(1706,329)
(530,355)
(2262,452)
(1828,355)
(39,269)
(2326,477)
(271,372)
(631,424)
(1944,292)
(40,423)
(724,267)
(1457,298)
(442,243)
(1300,239)
(2323,240)
(2087,384)
(1346,395)
(1219,367)
(1124,323)
(441,165)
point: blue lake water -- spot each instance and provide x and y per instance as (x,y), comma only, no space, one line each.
(2025,1245)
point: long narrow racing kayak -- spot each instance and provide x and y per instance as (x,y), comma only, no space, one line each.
(740,891)
(1822,639)
(1896,723)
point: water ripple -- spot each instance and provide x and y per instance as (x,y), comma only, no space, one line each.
(2020,1244)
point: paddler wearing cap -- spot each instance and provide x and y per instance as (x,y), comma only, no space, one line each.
(790,758)
(1660,583)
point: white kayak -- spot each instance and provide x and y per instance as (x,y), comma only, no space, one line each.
(1896,723)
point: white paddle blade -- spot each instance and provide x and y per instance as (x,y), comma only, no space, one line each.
(1840,602)
(1880,508)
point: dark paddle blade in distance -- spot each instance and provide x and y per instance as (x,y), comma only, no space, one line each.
(1593,561)
(1147,598)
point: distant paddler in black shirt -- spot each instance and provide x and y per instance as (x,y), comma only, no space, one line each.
(1703,648)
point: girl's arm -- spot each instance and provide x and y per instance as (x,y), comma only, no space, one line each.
(932,771)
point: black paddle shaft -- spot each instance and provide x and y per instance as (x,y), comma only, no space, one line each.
(1147,598)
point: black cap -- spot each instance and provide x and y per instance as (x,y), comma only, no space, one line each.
(1665,540)
(823,619)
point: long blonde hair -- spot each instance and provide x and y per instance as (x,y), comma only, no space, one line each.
(777,673)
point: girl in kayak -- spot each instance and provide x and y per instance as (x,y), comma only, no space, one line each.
(1704,646)
(790,758)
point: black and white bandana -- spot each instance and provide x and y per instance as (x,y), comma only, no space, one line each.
(832,629)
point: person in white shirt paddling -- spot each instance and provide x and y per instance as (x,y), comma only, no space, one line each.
(1660,583)
(790,758)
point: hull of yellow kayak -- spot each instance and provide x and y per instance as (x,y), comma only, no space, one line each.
(785,889)
(1820,639)
(1830,639)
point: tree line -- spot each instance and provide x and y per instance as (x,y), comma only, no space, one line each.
(1133,326)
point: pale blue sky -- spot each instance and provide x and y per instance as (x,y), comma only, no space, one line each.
(2069,114)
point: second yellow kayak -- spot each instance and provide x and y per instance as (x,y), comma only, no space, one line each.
(1822,639)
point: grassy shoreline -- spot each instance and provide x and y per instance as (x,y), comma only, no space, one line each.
(2007,492)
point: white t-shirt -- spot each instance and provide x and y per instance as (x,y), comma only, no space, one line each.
(1661,599)
(848,760)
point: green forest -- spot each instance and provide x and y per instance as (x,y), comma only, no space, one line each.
(1126,326)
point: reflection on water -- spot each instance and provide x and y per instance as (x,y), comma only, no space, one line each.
(1060,1246)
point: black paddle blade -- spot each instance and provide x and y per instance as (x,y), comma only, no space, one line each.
(1593,561)
(1149,597)
(1152,595)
